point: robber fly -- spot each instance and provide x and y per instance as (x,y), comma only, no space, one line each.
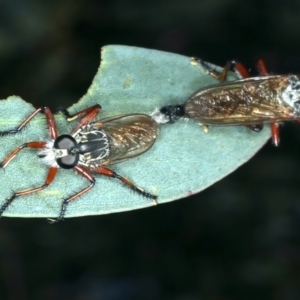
(88,149)
(249,101)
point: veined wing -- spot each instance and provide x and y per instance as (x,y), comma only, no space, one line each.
(245,101)
(129,136)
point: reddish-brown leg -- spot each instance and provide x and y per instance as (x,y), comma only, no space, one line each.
(23,124)
(243,73)
(107,172)
(223,74)
(6,161)
(86,174)
(102,171)
(238,67)
(213,73)
(36,145)
(240,70)
(53,132)
(49,118)
(274,126)
(87,115)
(275,133)
(51,175)
(263,72)
(262,68)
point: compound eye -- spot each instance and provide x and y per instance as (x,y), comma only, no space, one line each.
(66,142)
(68,161)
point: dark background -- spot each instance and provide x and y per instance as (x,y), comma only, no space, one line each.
(239,239)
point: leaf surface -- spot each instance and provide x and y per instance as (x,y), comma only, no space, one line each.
(183,161)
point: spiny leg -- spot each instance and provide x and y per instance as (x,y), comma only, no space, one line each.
(36,145)
(87,115)
(6,161)
(86,174)
(94,109)
(103,171)
(51,175)
(239,68)
(49,118)
(23,124)
(109,173)
(274,126)
(221,76)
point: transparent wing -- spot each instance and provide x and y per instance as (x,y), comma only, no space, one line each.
(129,136)
(245,101)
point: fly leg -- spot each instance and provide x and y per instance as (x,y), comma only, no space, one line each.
(51,174)
(107,172)
(221,76)
(274,126)
(87,115)
(88,175)
(84,173)
(49,118)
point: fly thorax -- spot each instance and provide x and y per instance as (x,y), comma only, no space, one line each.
(93,144)
(291,94)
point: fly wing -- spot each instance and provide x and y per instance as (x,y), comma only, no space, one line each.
(246,101)
(129,136)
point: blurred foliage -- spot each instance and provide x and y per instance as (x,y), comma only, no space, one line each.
(237,240)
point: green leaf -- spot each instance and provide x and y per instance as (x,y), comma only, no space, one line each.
(183,161)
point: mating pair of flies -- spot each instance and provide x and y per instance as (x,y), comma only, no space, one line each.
(91,146)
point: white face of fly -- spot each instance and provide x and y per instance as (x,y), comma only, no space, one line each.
(291,95)
(48,155)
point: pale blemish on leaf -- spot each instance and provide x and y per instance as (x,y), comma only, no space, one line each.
(127,82)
